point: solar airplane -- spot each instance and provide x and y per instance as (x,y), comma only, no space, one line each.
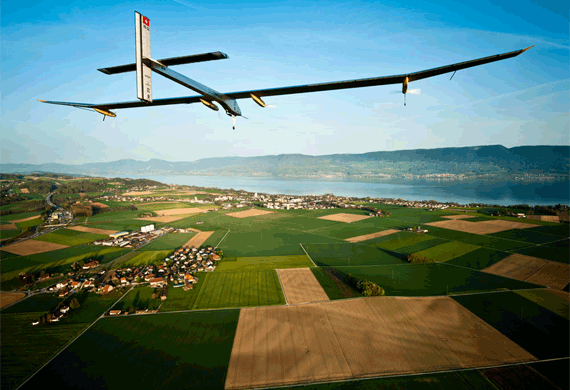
(145,65)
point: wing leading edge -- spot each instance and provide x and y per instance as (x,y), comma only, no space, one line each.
(320,87)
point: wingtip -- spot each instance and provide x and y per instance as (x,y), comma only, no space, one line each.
(523,50)
(43,101)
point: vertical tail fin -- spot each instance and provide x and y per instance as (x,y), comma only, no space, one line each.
(142,47)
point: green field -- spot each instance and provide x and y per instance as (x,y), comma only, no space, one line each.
(527,235)
(479,258)
(178,299)
(264,262)
(447,251)
(548,300)
(71,237)
(36,303)
(331,288)
(140,298)
(535,328)
(349,254)
(177,350)
(398,240)
(9,233)
(477,239)
(240,289)
(11,217)
(31,222)
(558,251)
(41,342)
(431,279)
(169,241)
(146,258)
(215,238)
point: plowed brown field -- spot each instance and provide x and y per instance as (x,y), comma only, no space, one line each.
(301,286)
(532,270)
(197,240)
(371,236)
(164,219)
(362,337)
(481,227)
(249,213)
(344,217)
(8,226)
(87,229)
(25,190)
(7,298)
(25,219)
(30,247)
(187,210)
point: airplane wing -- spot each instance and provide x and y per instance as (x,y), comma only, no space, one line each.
(359,83)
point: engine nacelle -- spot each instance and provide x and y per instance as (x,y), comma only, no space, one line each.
(209,104)
(258,100)
(405,85)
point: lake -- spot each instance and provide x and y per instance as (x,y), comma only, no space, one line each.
(462,192)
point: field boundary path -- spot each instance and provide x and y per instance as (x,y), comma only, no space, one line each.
(228,232)
(307,254)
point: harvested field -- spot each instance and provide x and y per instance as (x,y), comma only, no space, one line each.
(285,345)
(8,226)
(137,193)
(371,236)
(30,247)
(249,213)
(533,270)
(25,219)
(546,218)
(301,286)
(197,240)
(481,227)
(7,298)
(460,216)
(25,190)
(98,204)
(182,211)
(87,229)
(344,217)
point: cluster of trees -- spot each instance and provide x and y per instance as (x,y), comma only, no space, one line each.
(365,287)
(39,186)
(415,259)
(82,210)
(374,210)
(51,315)
(100,210)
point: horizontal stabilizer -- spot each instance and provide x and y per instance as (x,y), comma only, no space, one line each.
(217,55)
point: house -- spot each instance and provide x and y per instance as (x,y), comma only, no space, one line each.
(91,264)
(64,309)
(63,293)
(148,277)
(88,283)
(124,280)
(61,284)
(114,312)
(154,282)
(107,289)
(74,285)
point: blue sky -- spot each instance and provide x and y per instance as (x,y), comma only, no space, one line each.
(51,50)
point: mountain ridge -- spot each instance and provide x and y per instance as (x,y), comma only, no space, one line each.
(458,161)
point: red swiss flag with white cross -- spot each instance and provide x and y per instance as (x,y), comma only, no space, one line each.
(146,21)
